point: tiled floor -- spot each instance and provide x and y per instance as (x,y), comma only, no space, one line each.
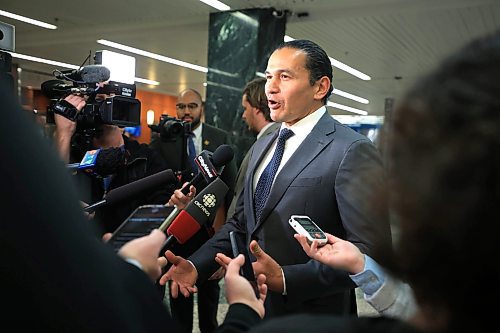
(364,309)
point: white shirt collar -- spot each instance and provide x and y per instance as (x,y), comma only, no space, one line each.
(304,126)
(197,131)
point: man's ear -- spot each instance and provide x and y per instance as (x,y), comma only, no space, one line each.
(323,85)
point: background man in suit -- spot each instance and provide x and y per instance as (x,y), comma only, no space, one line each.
(258,118)
(205,137)
(328,172)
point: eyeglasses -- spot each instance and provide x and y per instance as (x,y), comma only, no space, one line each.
(190,106)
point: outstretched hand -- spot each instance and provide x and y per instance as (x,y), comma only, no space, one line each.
(337,253)
(182,274)
(267,266)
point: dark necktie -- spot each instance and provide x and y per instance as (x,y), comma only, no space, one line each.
(266,178)
(192,154)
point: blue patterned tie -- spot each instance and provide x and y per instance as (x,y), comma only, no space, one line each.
(192,153)
(267,177)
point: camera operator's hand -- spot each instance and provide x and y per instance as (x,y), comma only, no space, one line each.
(66,127)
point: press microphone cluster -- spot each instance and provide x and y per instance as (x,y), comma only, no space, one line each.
(135,188)
(101,162)
(196,214)
(210,167)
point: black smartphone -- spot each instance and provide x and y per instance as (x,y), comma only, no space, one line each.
(140,223)
(238,247)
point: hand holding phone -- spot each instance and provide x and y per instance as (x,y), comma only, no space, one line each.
(140,223)
(238,247)
(303,225)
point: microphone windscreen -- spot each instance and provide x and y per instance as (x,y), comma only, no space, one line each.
(94,73)
(184,227)
(137,187)
(108,161)
(222,155)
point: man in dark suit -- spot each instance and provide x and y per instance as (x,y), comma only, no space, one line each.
(190,109)
(258,118)
(324,170)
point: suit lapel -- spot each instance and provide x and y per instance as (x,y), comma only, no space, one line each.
(311,147)
(260,149)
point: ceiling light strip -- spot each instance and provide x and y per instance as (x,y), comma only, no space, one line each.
(146,81)
(340,65)
(346,108)
(216,4)
(65,65)
(27,20)
(152,55)
(350,96)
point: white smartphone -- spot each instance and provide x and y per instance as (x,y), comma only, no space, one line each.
(303,225)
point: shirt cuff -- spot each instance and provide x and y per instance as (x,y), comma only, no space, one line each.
(134,262)
(371,278)
(189,261)
(284,282)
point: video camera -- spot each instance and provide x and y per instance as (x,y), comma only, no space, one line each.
(112,103)
(171,128)
(174,134)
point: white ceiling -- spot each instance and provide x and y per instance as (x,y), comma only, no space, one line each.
(382,38)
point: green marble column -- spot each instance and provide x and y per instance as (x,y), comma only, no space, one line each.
(240,43)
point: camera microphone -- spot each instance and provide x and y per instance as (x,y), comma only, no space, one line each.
(210,167)
(86,74)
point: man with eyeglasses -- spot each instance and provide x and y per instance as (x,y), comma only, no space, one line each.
(190,109)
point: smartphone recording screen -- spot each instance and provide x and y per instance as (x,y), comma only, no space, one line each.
(140,223)
(310,227)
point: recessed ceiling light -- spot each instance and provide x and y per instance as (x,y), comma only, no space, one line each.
(340,65)
(346,108)
(216,4)
(152,55)
(65,65)
(27,20)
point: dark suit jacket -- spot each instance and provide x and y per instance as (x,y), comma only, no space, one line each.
(55,273)
(241,318)
(240,177)
(332,177)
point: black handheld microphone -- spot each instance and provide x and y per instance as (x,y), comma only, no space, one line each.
(86,74)
(196,214)
(210,167)
(101,162)
(134,188)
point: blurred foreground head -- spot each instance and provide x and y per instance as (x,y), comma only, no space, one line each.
(444,160)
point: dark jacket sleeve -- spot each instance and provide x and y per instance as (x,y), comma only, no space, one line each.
(239,318)
(53,267)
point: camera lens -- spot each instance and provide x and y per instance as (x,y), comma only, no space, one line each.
(173,127)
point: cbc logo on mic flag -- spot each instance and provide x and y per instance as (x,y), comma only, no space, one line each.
(209,200)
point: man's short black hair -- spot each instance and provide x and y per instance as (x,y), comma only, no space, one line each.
(317,61)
